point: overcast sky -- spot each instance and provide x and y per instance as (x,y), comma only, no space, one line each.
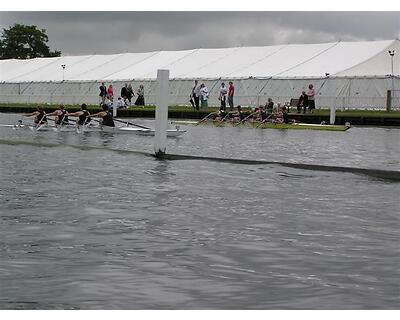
(75,33)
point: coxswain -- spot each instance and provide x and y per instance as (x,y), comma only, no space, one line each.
(61,116)
(83,115)
(39,116)
(106,117)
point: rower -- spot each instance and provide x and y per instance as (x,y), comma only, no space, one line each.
(107,118)
(238,115)
(83,115)
(61,116)
(263,114)
(39,116)
(285,115)
(278,114)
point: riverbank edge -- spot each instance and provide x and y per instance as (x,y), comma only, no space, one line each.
(359,117)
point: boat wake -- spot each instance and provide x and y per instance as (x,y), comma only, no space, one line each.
(390,175)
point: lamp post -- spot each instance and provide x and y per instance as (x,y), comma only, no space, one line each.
(391,53)
(63,67)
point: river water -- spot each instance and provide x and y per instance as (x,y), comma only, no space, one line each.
(84,228)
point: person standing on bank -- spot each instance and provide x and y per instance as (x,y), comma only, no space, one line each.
(195,95)
(130,94)
(110,93)
(311,98)
(140,98)
(124,93)
(303,102)
(222,96)
(203,96)
(269,106)
(231,92)
(103,93)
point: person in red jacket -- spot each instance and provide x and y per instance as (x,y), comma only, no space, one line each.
(110,92)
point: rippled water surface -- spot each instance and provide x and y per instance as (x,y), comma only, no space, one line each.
(101,229)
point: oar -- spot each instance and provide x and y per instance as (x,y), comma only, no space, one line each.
(132,124)
(242,121)
(265,120)
(205,118)
(8,125)
(41,126)
(59,128)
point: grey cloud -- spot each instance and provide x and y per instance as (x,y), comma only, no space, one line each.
(113,32)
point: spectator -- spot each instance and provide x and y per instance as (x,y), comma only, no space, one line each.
(108,103)
(195,95)
(303,102)
(124,92)
(231,92)
(140,98)
(311,99)
(120,103)
(204,96)
(222,96)
(269,106)
(103,93)
(110,92)
(130,94)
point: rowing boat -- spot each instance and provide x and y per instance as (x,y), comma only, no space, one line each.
(93,128)
(266,125)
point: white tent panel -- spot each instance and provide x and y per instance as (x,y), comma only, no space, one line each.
(378,64)
(110,69)
(147,68)
(341,56)
(359,74)
(201,63)
(230,64)
(284,59)
(298,60)
(16,70)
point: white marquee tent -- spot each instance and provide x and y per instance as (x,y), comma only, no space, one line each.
(347,74)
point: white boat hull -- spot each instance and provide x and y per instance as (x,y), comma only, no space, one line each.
(124,130)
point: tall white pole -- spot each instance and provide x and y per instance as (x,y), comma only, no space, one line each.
(115,109)
(391,53)
(392,78)
(162,92)
(333,112)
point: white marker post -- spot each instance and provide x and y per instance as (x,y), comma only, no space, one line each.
(114,110)
(333,113)
(162,91)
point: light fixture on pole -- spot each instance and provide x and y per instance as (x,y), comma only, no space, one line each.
(391,53)
(63,67)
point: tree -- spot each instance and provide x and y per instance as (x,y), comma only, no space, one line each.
(25,42)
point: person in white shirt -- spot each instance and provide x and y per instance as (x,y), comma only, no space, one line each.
(311,98)
(222,96)
(120,103)
(204,96)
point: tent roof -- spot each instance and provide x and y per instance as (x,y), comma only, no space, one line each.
(367,58)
